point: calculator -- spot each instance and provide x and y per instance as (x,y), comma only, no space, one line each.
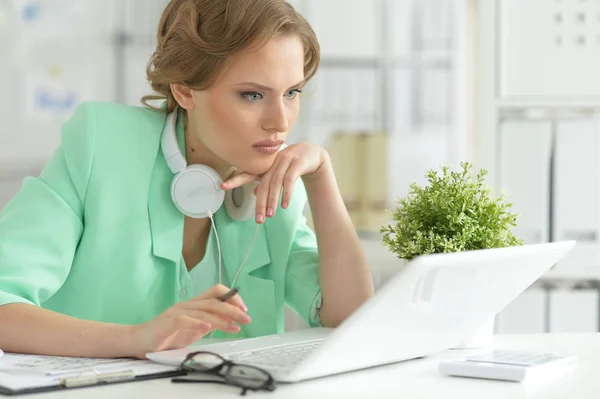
(508,365)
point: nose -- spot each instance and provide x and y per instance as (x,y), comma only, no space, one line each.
(277,117)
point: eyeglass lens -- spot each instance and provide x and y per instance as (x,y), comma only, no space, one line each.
(247,376)
(241,375)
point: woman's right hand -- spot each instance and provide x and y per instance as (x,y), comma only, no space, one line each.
(186,322)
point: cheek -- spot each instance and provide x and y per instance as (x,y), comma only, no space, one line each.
(231,118)
(293,113)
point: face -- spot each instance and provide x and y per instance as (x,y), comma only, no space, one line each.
(245,116)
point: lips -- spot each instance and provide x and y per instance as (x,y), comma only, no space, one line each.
(268,143)
(268,146)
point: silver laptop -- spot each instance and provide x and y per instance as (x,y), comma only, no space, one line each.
(433,304)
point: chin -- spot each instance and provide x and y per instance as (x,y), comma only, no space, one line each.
(257,165)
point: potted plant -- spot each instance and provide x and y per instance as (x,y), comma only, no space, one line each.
(454,212)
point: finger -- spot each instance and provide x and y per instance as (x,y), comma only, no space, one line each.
(216,321)
(238,181)
(223,309)
(289,182)
(185,321)
(262,192)
(189,329)
(218,290)
(230,313)
(276,184)
(187,337)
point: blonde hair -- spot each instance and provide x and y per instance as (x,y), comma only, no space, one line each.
(197,38)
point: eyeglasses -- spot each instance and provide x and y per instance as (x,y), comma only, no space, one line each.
(239,375)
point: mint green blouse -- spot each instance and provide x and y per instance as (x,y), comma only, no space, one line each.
(97,236)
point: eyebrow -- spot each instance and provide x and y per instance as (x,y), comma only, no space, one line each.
(266,88)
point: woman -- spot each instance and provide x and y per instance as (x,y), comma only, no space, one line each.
(102,256)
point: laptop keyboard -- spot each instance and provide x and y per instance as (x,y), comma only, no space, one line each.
(280,357)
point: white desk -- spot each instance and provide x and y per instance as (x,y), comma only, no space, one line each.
(410,379)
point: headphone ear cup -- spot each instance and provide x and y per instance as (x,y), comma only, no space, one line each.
(196,192)
(241,202)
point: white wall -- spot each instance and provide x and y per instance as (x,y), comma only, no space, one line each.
(386,65)
(537,107)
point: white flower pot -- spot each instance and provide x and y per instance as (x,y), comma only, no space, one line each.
(482,337)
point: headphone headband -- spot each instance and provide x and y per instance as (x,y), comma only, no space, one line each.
(195,189)
(170,147)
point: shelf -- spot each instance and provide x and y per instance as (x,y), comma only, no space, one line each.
(387,264)
(429,59)
(572,274)
(545,102)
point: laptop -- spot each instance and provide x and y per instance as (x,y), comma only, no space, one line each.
(435,302)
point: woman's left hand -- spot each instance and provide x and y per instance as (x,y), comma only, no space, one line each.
(298,160)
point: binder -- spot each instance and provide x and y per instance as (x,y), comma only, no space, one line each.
(525,151)
(360,163)
(574,311)
(577,191)
(374,200)
(348,164)
(24,374)
(434,107)
(435,24)
(414,154)
(526,314)
(399,99)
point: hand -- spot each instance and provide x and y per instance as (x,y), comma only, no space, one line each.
(186,322)
(298,160)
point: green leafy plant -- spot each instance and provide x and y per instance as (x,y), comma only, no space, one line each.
(452,213)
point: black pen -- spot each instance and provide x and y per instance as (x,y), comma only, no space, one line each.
(229,295)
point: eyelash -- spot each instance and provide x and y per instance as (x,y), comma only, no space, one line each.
(246,94)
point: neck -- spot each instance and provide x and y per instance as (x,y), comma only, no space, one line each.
(198,153)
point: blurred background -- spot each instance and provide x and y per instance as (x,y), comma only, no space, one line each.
(512,86)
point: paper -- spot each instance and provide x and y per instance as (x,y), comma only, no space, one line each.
(19,371)
(58,365)
(53,91)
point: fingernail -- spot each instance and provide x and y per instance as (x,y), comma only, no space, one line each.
(234,327)
(224,185)
(246,318)
(260,218)
(205,326)
(269,211)
(244,308)
(284,205)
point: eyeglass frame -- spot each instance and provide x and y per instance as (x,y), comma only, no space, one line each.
(269,385)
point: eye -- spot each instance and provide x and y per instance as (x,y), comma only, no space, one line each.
(252,95)
(292,93)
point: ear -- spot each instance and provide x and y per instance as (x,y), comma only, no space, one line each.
(183,96)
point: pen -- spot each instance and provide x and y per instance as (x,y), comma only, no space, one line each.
(230,294)
(78,381)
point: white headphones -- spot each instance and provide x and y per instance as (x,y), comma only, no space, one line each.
(196,189)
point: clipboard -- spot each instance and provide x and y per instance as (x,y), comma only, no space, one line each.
(20,382)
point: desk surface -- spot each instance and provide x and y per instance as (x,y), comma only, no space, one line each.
(410,379)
